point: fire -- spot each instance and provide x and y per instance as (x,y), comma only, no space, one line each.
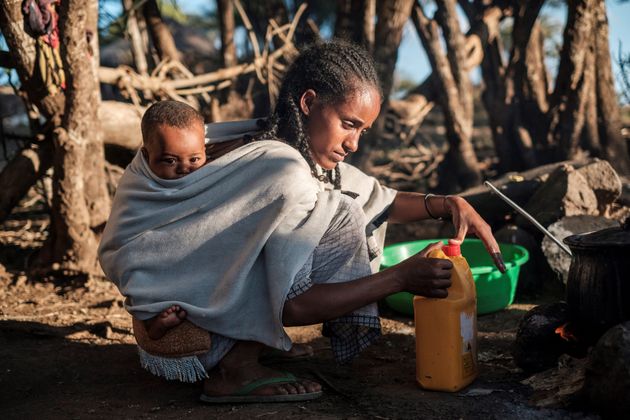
(565,332)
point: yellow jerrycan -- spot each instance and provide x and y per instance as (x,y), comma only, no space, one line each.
(446,330)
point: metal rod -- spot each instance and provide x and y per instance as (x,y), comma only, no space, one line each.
(528,217)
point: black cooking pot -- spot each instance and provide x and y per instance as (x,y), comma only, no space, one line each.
(598,286)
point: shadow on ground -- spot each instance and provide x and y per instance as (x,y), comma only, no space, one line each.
(51,376)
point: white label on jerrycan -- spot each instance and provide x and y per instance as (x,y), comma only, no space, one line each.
(467,328)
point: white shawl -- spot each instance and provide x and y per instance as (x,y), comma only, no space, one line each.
(226,241)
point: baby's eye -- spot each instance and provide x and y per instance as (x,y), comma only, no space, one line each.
(168,161)
(195,159)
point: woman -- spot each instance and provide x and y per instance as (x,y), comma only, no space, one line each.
(281,232)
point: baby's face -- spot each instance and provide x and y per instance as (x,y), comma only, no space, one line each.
(175,152)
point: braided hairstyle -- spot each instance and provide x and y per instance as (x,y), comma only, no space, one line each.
(334,70)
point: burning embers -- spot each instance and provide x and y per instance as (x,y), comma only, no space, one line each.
(565,331)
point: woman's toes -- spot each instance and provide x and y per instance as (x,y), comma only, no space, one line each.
(291,388)
(281,390)
(312,386)
(300,388)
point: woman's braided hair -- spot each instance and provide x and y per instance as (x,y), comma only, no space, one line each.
(334,70)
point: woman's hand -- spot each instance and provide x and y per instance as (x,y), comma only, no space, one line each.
(424,276)
(466,219)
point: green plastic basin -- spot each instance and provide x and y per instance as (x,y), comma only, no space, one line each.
(495,291)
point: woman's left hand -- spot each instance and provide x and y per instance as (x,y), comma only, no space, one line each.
(466,219)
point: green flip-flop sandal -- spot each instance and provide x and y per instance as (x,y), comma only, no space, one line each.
(244,395)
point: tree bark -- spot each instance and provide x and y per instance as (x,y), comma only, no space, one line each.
(403,117)
(135,38)
(614,147)
(515,94)
(160,34)
(19,175)
(73,241)
(368,16)
(96,193)
(392,16)
(462,169)
(227,25)
(355,22)
(22,49)
(571,92)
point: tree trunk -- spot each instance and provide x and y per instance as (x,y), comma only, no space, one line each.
(404,116)
(160,34)
(355,22)
(135,38)
(19,175)
(392,16)
(22,49)
(462,169)
(73,241)
(572,88)
(96,194)
(227,25)
(518,95)
(614,147)
(368,33)
(515,94)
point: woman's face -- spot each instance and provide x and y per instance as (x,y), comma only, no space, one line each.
(334,129)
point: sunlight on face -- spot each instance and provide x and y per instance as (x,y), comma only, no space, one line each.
(175,152)
(334,129)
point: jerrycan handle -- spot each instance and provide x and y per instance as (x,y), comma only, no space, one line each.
(451,250)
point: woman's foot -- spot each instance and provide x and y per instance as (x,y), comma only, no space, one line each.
(240,367)
(297,352)
(160,324)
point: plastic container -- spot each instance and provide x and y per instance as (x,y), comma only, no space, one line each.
(446,330)
(495,290)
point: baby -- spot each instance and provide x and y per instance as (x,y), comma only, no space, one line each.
(174,146)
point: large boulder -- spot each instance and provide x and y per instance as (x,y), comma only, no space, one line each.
(607,381)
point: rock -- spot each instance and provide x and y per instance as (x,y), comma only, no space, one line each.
(604,181)
(559,260)
(537,346)
(565,193)
(607,381)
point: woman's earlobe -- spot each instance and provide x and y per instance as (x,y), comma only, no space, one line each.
(306,101)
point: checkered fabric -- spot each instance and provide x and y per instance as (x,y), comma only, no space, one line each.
(342,255)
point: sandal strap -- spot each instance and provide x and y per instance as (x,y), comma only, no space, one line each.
(247,389)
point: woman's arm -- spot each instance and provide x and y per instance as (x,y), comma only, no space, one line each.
(417,274)
(411,207)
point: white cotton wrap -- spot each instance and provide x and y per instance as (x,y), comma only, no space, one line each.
(226,241)
(223,242)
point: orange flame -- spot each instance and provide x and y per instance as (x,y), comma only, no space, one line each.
(565,332)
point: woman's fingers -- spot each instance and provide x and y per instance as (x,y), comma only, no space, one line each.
(429,248)
(466,218)
(492,247)
(438,293)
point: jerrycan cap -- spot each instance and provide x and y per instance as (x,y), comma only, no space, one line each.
(452,250)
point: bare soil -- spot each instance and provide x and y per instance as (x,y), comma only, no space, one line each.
(67,352)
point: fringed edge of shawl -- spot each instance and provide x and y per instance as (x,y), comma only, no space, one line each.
(183,369)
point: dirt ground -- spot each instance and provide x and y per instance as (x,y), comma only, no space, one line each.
(66,352)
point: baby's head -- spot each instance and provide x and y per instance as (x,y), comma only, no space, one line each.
(173,139)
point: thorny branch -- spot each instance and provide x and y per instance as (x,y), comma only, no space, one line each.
(268,66)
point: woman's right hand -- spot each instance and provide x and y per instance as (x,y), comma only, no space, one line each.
(429,277)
